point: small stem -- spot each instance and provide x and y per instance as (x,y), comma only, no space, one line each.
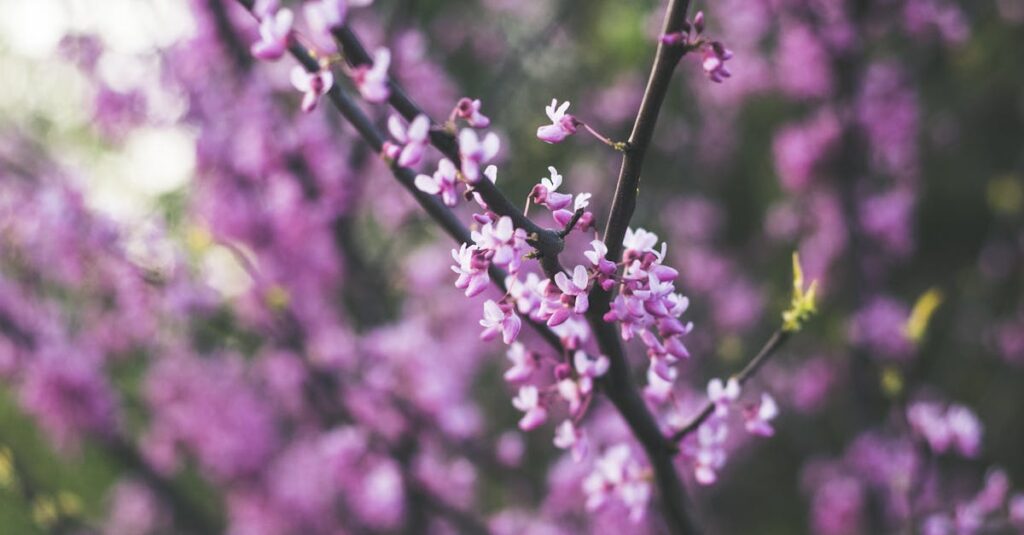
(620,146)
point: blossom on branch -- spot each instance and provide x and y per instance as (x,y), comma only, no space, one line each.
(372,80)
(312,84)
(275,28)
(562,124)
(412,140)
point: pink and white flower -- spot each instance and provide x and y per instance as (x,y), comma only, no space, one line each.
(524,363)
(442,183)
(562,124)
(275,28)
(476,152)
(470,111)
(528,401)
(313,85)
(569,437)
(723,395)
(759,417)
(471,266)
(372,80)
(499,319)
(413,139)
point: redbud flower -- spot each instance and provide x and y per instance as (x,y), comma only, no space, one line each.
(574,291)
(414,138)
(562,124)
(475,153)
(372,80)
(575,391)
(524,363)
(471,268)
(470,111)
(441,183)
(528,401)
(758,420)
(587,367)
(568,437)
(504,242)
(617,474)
(274,30)
(715,57)
(499,319)
(545,193)
(312,84)
(955,428)
(723,395)
(710,454)
(659,389)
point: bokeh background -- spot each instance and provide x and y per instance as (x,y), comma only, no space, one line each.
(163,204)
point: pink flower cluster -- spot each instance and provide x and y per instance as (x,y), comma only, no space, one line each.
(647,304)
(953,428)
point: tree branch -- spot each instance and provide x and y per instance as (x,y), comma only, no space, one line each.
(618,384)
(548,242)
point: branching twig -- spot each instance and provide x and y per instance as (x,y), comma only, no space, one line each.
(547,242)
(773,344)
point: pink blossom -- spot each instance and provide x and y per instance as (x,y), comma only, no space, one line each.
(470,111)
(524,363)
(759,418)
(562,124)
(274,31)
(714,60)
(475,153)
(441,183)
(659,388)
(312,84)
(528,401)
(471,268)
(574,290)
(569,437)
(575,391)
(588,367)
(956,428)
(372,80)
(499,319)
(545,193)
(618,475)
(527,294)
(505,244)
(414,139)
(723,395)
(709,454)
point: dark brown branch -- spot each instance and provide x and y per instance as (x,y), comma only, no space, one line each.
(773,344)
(547,242)
(618,384)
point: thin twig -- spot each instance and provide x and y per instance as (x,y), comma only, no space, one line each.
(773,344)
